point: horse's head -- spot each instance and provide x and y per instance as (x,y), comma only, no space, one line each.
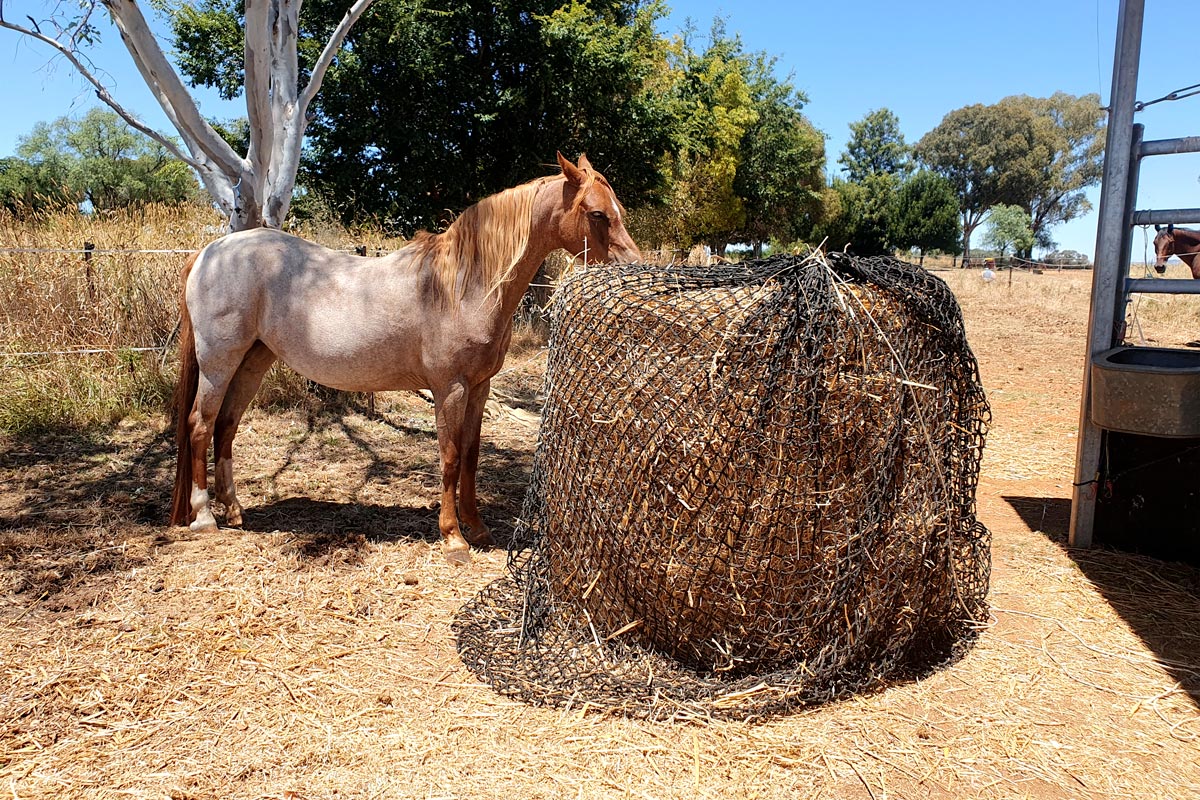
(591,220)
(1164,247)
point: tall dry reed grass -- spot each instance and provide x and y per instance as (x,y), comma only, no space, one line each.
(56,308)
(53,305)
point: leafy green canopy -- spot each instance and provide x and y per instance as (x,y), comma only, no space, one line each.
(434,104)
(1036,153)
(1008,227)
(746,165)
(876,147)
(877,161)
(925,214)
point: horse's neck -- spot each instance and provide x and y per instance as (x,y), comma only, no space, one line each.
(513,289)
(538,245)
(1193,262)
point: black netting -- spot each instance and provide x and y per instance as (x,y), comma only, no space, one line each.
(754,488)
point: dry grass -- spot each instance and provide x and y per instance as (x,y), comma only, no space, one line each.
(310,656)
(124,304)
(56,302)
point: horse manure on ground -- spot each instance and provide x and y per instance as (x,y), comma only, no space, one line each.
(753,489)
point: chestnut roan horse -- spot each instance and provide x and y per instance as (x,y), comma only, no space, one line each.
(1182,242)
(435,315)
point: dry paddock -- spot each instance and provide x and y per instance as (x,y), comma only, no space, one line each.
(310,655)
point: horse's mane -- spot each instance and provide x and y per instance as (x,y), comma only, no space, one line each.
(484,244)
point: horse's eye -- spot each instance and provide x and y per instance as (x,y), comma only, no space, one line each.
(597,215)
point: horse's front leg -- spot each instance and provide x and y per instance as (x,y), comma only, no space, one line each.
(479,534)
(450,410)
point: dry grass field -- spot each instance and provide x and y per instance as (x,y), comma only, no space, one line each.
(310,655)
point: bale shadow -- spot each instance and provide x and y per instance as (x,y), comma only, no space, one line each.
(1159,600)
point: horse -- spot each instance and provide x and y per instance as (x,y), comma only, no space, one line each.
(1182,242)
(434,315)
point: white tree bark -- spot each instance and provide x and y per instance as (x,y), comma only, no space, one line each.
(256,189)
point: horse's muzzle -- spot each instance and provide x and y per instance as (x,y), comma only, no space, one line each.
(1160,268)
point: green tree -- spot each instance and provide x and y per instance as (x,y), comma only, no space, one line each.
(435,104)
(876,147)
(252,190)
(27,186)
(781,171)
(101,160)
(746,164)
(713,106)
(1073,129)
(1008,226)
(860,218)
(925,215)
(992,155)
(876,162)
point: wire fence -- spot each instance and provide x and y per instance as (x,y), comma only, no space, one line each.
(89,250)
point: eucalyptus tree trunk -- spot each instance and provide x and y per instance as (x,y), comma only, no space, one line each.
(252,190)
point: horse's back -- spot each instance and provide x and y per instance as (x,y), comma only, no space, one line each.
(341,320)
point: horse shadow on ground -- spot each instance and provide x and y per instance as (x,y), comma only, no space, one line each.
(321,526)
(1159,600)
(79,506)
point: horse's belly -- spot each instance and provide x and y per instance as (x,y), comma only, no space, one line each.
(341,362)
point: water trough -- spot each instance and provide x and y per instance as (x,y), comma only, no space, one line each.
(1153,391)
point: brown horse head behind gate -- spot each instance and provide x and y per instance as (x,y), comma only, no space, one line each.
(1182,242)
(435,315)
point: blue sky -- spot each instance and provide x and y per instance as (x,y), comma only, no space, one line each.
(921,60)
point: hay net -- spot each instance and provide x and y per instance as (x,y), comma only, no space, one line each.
(753,489)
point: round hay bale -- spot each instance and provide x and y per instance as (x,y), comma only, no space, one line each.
(756,477)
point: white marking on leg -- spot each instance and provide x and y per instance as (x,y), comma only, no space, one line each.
(204,520)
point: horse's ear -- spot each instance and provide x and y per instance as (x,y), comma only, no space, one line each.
(1157,227)
(1170,227)
(573,174)
(584,163)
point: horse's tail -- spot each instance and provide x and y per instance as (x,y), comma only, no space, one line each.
(185,398)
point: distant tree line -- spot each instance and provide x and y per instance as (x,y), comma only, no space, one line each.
(432,105)
(96,161)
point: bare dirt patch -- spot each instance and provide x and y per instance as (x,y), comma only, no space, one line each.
(310,655)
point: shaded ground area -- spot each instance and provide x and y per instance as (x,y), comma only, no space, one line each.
(310,655)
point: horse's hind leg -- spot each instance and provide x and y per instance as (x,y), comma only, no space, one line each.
(241,391)
(215,377)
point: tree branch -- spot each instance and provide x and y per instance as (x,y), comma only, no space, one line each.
(326,58)
(102,91)
(169,90)
(258,87)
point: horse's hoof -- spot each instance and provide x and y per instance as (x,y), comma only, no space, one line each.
(203,526)
(233,520)
(481,538)
(458,557)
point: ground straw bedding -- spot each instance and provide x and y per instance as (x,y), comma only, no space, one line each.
(311,655)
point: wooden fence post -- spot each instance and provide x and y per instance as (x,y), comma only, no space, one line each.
(88,247)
